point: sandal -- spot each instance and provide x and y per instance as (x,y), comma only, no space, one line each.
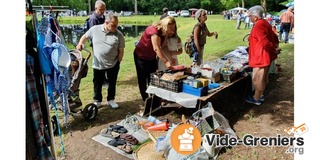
(117,128)
(106,133)
(117,142)
(126,148)
(129,138)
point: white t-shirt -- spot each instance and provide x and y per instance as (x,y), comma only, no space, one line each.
(173,45)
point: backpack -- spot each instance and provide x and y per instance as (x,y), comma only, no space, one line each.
(86,24)
(189,46)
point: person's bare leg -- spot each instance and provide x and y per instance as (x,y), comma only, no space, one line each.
(257,94)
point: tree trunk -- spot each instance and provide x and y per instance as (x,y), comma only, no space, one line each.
(89,7)
(264,5)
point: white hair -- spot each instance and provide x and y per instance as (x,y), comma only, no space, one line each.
(99,3)
(110,16)
(256,11)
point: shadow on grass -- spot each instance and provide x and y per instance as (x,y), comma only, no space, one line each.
(105,115)
(132,81)
(231,104)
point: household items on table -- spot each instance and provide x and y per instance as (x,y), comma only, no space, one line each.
(169,80)
(230,66)
(199,80)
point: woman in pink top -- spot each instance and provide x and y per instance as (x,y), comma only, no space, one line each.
(149,48)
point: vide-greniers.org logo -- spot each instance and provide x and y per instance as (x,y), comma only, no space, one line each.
(250,140)
(186,139)
(295,143)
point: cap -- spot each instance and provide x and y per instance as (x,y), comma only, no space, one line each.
(198,13)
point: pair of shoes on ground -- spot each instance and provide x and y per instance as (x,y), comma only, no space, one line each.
(121,144)
(126,148)
(251,100)
(112,103)
(109,133)
(113,131)
(123,139)
(124,142)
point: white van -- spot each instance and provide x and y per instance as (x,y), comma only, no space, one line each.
(185,13)
(172,13)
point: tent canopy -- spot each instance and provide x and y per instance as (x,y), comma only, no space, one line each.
(237,9)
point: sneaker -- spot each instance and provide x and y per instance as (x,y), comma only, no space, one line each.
(262,98)
(113,104)
(98,104)
(251,100)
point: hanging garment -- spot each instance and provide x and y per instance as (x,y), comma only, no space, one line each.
(33,104)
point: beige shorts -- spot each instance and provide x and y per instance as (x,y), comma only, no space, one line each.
(260,78)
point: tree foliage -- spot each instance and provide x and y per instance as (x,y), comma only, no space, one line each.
(151,6)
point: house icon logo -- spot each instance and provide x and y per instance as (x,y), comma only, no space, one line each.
(185,139)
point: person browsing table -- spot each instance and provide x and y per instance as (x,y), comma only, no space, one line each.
(108,45)
(150,48)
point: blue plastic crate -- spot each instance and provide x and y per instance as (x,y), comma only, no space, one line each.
(214,85)
(195,91)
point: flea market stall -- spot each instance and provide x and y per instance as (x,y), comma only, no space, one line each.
(194,87)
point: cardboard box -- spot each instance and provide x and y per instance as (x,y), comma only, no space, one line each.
(204,81)
(216,77)
(207,72)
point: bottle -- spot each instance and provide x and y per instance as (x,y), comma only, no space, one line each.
(154,120)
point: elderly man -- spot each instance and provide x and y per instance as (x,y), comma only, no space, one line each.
(263,49)
(108,45)
(97,16)
(286,23)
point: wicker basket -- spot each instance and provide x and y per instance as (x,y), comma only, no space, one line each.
(147,152)
(154,135)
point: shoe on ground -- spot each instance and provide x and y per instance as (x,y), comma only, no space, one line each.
(262,98)
(251,100)
(98,104)
(113,104)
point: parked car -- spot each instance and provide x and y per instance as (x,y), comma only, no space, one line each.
(172,13)
(127,13)
(82,13)
(184,13)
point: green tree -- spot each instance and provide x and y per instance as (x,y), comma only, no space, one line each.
(151,6)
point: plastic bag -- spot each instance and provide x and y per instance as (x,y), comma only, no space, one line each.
(200,154)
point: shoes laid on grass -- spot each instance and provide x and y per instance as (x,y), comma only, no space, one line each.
(113,104)
(251,100)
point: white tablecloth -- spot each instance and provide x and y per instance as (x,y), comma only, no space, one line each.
(184,99)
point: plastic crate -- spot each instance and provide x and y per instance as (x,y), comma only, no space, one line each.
(175,86)
(195,91)
(213,85)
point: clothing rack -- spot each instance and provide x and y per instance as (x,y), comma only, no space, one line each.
(36,146)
